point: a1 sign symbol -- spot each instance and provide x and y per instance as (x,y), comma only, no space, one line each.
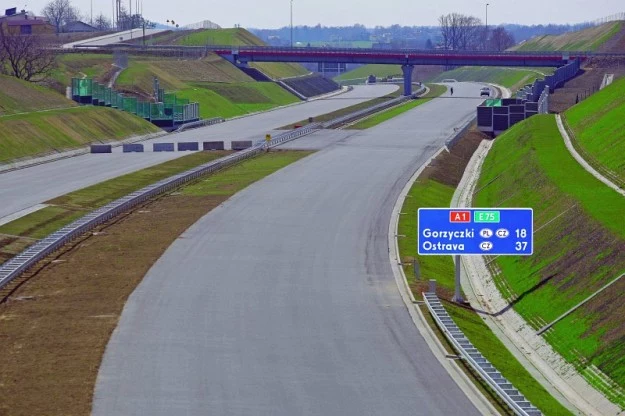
(460,216)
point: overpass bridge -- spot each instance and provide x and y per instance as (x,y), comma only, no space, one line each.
(406,58)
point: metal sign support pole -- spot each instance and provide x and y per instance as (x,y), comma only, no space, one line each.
(458,290)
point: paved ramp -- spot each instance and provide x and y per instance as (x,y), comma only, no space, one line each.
(282,301)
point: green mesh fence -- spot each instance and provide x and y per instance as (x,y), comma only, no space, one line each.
(82,87)
(170,107)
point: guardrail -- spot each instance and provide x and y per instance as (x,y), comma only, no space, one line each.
(504,389)
(201,123)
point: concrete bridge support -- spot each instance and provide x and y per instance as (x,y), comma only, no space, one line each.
(407,71)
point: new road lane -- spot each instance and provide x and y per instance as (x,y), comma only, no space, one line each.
(282,301)
(25,188)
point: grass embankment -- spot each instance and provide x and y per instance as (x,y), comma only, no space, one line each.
(599,128)
(435,188)
(512,78)
(277,70)
(579,245)
(30,134)
(241,37)
(435,91)
(80,65)
(589,39)
(17,96)
(229,100)
(379,70)
(63,210)
(55,327)
(219,87)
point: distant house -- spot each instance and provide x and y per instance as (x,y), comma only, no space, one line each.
(24,24)
(78,27)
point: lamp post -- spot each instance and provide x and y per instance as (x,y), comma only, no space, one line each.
(486,38)
(291,23)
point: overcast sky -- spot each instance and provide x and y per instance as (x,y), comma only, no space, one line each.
(275,13)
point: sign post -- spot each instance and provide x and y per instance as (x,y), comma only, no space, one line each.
(474,232)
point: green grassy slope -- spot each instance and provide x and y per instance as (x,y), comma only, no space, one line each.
(241,37)
(175,74)
(371,69)
(434,189)
(579,241)
(30,134)
(277,70)
(231,36)
(584,40)
(79,65)
(218,86)
(508,77)
(599,127)
(229,100)
(17,96)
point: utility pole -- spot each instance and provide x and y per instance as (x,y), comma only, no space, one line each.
(486,39)
(291,23)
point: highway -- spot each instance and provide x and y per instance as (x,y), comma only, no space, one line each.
(282,301)
(25,188)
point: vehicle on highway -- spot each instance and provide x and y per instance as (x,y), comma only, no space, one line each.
(485,91)
(449,80)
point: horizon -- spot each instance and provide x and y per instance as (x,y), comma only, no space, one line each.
(350,12)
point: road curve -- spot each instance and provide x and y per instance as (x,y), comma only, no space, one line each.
(25,188)
(282,300)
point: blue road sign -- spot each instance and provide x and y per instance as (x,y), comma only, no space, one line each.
(476,231)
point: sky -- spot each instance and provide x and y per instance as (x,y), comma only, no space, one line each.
(276,13)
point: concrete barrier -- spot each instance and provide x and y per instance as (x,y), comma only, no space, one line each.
(101,148)
(134,147)
(213,146)
(240,144)
(163,147)
(183,146)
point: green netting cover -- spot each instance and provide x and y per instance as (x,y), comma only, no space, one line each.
(496,102)
(129,104)
(82,87)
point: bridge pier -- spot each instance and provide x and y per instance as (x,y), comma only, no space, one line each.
(407,71)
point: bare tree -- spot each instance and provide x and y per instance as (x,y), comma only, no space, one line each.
(102,22)
(500,39)
(460,32)
(60,12)
(26,57)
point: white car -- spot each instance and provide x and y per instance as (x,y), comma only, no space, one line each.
(485,91)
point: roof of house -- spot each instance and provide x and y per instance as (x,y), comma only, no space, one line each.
(78,23)
(27,22)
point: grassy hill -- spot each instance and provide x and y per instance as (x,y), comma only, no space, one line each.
(30,134)
(372,69)
(230,37)
(599,127)
(221,89)
(508,77)
(79,65)
(17,96)
(241,37)
(584,40)
(579,244)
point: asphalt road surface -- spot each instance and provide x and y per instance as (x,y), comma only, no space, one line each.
(282,300)
(124,36)
(25,188)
